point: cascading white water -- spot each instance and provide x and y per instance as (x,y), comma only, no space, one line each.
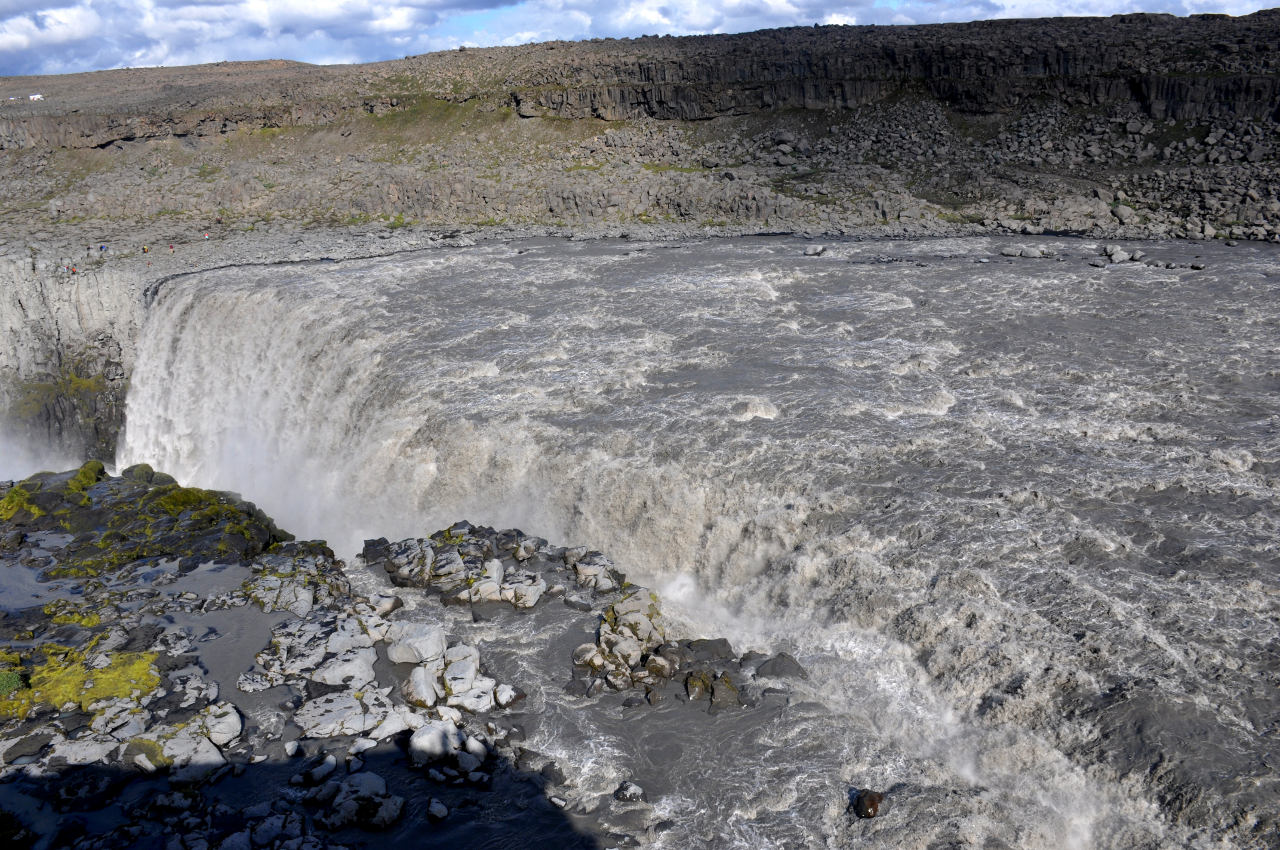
(929,476)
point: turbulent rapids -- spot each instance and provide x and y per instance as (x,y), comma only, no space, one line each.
(1016,515)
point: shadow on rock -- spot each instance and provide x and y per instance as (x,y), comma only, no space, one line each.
(375,799)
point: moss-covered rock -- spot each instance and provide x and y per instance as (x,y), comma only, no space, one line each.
(139,516)
(17,503)
(60,675)
(89,474)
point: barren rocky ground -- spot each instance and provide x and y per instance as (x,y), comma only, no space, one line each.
(1140,125)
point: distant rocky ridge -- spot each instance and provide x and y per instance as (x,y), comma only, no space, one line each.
(1004,124)
(1203,67)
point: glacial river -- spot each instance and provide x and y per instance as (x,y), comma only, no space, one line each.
(1018,517)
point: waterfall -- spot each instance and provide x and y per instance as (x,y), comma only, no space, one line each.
(945,484)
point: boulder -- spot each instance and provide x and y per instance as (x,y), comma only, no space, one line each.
(222,723)
(353,668)
(782,666)
(1125,214)
(505,696)
(629,792)
(434,741)
(697,685)
(342,713)
(866,803)
(414,643)
(194,757)
(422,687)
(362,800)
(461,675)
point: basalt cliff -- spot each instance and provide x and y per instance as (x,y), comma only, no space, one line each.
(1134,126)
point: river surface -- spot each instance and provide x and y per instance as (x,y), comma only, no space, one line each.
(1018,517)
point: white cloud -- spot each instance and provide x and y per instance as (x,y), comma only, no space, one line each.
(81,35)
(48,28)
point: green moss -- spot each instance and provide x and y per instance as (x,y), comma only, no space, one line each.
(447,537)
(63,677)
(15,501)
(10,681)
(73,382)
(153,750)
(174,499)
(111,560)
(63,612)
(88,475)
(139,472)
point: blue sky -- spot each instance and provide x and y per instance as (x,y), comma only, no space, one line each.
(65,36)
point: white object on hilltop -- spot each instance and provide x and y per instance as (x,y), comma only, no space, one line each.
(36,97)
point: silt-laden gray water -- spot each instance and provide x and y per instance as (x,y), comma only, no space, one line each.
(1017,517)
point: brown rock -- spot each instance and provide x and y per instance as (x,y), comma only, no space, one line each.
(867,803)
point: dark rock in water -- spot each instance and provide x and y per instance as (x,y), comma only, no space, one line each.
(577,603)
(134,522)
(724,693)
(14,834)
(717,649)
(676,654)
(578,687)
(629,792)
(376,552)
(552,773)
(866,803)
(698,684)
(782,666)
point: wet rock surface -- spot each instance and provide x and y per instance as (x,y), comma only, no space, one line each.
(629,650)
(182,692)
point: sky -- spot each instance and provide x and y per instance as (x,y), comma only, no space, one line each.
(66,36)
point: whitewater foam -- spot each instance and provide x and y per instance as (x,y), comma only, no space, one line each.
(949,493)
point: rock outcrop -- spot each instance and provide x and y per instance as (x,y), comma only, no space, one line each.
(164,648)
(1155,64)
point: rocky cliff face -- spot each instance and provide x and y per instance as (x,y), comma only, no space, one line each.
(1164,67)
(68,351)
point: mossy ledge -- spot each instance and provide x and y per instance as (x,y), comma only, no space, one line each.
(108,535)
(134,520)
(56,676)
